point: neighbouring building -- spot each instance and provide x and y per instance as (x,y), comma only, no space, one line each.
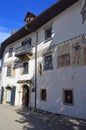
(44,63)
(0,84)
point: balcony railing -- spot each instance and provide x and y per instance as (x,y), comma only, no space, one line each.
(26,49)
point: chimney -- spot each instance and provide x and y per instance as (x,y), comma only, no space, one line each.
(13,31)
(29,17)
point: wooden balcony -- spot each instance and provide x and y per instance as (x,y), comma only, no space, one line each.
(24,51)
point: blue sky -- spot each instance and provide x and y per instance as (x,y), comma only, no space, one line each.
(12,13)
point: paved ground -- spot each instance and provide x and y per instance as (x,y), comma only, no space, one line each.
(12,118)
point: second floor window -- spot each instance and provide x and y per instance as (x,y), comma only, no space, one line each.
(27,43)
(25,68)
(9,71)
(10,51)
(48,62)
(48,33)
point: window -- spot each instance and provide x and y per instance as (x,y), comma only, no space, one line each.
(25,68)
(48,62)
(28,42)
(43,94)
(10,51)
(68,97)
(9,71)
(48,33)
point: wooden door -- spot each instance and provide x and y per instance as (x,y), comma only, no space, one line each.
(25,97)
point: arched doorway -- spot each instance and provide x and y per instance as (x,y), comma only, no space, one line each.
(8,94)
(25,96)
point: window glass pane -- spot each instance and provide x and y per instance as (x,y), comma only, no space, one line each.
(8,71)
(43,94)
(48,62)
(48,33)
(25,67)
(10,51)
(28,42)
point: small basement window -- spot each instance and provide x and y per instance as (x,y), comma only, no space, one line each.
(43,94)
(68,97)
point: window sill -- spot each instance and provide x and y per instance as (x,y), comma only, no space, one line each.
(8,76)
(69,104)
(49,39)
(24,73)
(10,56)
(48,69)
(43,100)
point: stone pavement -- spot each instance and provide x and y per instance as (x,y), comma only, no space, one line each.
(13,118)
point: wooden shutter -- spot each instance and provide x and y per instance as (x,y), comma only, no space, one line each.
(12,71)
(21,69)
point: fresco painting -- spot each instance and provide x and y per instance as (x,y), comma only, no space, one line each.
(64,55)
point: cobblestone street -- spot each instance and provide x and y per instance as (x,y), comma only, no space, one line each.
(12,118)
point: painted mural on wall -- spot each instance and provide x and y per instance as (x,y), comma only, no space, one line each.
(64,55)
(85,55)
(72,52)
(64,60)
(77,53)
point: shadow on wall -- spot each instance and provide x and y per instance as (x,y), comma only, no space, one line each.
(47,121)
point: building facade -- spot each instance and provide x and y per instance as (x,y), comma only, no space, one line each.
(44,63)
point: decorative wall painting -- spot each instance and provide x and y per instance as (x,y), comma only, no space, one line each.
(77,53)
(85,55)
(64,55)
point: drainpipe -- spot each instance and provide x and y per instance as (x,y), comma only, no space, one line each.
(36,70)
(35,84)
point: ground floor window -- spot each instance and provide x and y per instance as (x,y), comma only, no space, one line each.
(68,97)
(43,94)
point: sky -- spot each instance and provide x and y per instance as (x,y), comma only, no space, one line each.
(13,12)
